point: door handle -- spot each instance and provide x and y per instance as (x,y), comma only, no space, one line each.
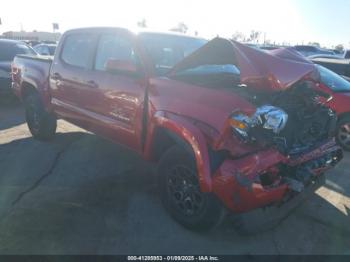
(56,76)
(92,84)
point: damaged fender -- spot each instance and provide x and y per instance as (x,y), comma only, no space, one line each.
(189,133)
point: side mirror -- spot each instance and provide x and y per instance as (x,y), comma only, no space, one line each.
(122,67)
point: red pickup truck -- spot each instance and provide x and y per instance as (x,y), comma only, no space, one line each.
(232,128)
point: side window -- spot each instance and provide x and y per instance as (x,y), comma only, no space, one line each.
(113,46)
(77,50)
(45,50)
(38,49)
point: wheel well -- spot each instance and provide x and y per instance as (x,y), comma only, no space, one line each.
(27,89)
(164,139)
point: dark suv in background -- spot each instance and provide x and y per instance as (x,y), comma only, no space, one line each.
(308,50)
(8,50)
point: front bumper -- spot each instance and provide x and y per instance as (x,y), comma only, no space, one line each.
(238,182)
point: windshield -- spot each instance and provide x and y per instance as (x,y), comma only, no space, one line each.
(8,51)
(167,50)
(211,70)
(333,81)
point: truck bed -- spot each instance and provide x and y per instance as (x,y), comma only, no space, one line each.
(33,70)
(47,59)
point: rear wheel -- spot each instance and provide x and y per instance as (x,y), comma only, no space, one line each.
(343,133)
(42,125)
(181,193)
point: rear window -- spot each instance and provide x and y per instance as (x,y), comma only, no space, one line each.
(333,81)
(8,51)
(77,50)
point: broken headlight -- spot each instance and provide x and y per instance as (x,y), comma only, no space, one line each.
(268,117)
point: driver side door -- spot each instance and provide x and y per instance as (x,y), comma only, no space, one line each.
(116,98)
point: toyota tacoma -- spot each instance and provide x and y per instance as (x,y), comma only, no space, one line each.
(231,128)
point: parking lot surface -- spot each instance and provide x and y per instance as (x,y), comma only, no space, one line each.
(80,194)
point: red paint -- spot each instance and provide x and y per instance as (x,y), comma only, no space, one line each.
(113,106)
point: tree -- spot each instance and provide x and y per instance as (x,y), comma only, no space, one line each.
(142,23)
(238,36)
(315,44)
(181,28)
(254,35)
(339,47)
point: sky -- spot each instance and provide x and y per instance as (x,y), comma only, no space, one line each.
(288,21)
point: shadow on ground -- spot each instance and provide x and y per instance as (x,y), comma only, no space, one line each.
(80,194)
(10,109)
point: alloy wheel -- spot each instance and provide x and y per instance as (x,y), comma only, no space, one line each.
(184,190)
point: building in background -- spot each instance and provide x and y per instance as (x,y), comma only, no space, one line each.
(34,36)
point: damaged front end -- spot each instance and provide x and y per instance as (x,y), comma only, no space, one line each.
(294,136)
(271,178)
(282,148)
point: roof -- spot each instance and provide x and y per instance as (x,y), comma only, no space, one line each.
(135,31)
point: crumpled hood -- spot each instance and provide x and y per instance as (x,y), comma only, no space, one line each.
(271,71)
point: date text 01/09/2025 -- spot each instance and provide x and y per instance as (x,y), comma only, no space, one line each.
(173,258)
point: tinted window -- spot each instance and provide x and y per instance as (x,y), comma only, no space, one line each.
(8,51)
(52,49)
(167,50)
(77,50)
(113,46)
(211,70)
(333,81)
(347,55)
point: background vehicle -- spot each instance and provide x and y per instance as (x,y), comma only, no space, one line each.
(346,54)
(324,56)
(308,50)
(337,65)
(335,87)
(339,90)
(8,50)
(45,49)
(222,138)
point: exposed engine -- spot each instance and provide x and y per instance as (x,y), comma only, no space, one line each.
(294,120)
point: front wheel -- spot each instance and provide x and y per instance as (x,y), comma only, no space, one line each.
(42,125)
(181,193)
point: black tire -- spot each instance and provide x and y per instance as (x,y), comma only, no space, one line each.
(42,125)
(180,193)
(343,133)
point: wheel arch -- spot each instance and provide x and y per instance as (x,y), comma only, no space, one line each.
(28,88)
(170,129)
